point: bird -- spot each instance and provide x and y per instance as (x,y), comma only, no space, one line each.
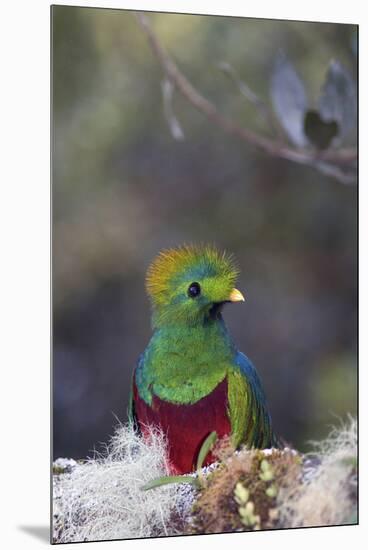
(191,380)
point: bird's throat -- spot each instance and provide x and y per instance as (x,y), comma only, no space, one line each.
(215,311)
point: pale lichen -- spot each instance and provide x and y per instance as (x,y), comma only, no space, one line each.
(102,498)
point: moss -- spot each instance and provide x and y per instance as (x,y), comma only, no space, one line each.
(241,495)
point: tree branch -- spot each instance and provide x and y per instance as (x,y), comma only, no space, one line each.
(339,164)
(265,113)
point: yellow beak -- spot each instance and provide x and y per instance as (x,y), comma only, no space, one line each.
(236,296)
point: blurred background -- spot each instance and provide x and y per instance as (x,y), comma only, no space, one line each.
(124,188)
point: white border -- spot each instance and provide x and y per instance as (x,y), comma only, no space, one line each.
(25,285)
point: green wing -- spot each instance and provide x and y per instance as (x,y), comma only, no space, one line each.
(248,412)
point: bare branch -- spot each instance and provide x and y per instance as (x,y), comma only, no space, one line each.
(265,113)
(348,178)
(176,130)
(327,161)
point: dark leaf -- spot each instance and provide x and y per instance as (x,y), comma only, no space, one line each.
(289,99)
(338,99)
(319,132)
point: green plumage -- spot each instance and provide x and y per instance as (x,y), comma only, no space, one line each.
(191,353)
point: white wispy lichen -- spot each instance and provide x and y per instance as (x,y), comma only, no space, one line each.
(328,495)
(102,499)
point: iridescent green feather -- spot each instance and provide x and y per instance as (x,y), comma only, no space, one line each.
(191,351)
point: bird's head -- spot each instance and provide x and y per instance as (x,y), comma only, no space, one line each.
(190,284)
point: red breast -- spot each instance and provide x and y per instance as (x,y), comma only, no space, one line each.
(186,426)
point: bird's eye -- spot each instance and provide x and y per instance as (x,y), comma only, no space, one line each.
(194,290)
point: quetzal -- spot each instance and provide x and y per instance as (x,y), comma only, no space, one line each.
(191,380)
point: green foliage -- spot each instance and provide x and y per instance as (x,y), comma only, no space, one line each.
(241,494)
(266,471)
(166,480)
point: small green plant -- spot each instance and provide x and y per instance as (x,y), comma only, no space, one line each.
(267,474)
(241,494)
(196,481)
(248,517)
(267,471)
(246,507)
(271,491)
